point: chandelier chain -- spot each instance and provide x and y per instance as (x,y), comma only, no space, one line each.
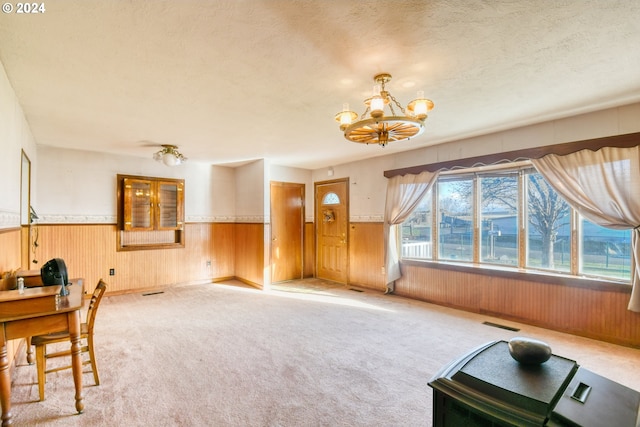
(393,98)
(365,113)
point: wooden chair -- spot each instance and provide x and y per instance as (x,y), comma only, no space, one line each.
(86,332)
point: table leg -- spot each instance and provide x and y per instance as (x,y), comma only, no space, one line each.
(5,381)
(76,359)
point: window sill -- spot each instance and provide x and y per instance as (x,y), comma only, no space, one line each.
(523,274)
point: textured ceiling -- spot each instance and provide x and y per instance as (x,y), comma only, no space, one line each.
(230,81)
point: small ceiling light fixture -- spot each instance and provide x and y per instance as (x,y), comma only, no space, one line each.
(381,129)
(169,155)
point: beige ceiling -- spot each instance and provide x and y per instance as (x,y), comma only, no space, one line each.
(230,81)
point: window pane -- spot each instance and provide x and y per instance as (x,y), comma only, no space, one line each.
(416,231)
(605,251)
(331,199)
(455,229)
(548,226)
(499,216)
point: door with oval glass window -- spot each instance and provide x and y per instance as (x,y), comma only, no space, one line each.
(332,221)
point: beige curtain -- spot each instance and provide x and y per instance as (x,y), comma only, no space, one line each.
(403,195)
(604,187)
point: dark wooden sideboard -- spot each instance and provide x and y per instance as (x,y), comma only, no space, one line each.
(487,387)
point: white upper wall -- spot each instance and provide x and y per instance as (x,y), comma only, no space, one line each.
(81,186)
(222,204)
(15,136)
(250,192)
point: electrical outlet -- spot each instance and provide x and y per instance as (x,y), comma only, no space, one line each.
(112,272)
(208,263)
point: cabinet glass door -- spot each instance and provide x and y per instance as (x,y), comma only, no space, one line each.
(169,206)
(138,205)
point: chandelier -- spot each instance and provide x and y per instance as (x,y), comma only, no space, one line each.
(169,155)
(380,128)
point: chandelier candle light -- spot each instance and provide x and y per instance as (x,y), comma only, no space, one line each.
(381,129)
(169,155)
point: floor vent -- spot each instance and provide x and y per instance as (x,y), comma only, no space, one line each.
(497,325)
(355,290)
(152,293)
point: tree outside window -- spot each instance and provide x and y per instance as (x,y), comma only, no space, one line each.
(548,226)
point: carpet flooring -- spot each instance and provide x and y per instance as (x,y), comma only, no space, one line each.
(305,353)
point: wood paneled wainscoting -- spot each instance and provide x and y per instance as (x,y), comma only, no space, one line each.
(10,249)
(89,251)
(10,261)
(594,310)
(366,255)
(212,252)
(249,253)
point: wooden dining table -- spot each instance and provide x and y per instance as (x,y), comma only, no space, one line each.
(39,311)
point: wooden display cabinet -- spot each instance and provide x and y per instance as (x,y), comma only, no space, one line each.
(150,212)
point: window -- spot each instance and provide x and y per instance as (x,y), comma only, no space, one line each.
(416,231)
(499,218)
(455,222)
(510,216)
(331,199)
(150,212)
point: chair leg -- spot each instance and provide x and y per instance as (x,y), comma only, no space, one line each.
(30,360)
(92,359)
(41,363)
